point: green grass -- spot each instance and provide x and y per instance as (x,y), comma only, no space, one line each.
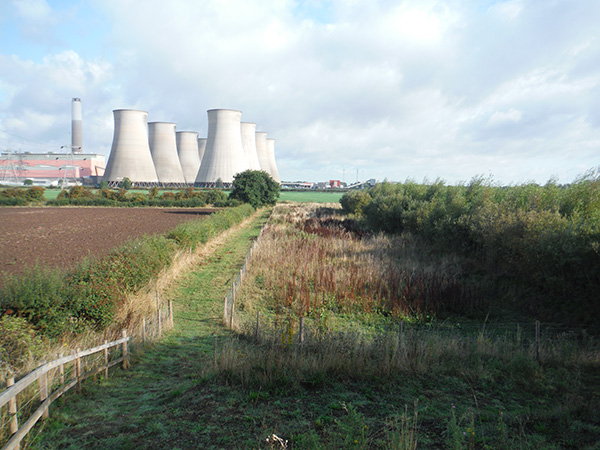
(173,397)
(310,196)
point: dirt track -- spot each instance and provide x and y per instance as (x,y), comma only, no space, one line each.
(60,237)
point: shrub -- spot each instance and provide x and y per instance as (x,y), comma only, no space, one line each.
(354,201)
(255,187)
(20,343)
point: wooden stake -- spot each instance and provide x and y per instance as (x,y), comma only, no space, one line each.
(144,331)
(43,381)
(61,370)
(106,361)
(125,355)
(78,370)
(158,315)
(12,408)
(171,322)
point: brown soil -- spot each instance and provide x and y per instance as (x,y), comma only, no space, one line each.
(61,237)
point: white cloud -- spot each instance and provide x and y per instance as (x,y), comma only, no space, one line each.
(413,89)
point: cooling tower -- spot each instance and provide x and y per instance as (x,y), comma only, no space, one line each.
(187,147)
(249,144)
(224,156)
(130,153)
(272,163)
(261,151)
(163,146)
(201,148)
(76,136)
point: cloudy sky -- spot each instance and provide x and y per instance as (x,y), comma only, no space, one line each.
(419,89)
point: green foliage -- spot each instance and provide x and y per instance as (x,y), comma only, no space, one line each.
(214,196)
(545,239)
(20,196)
(353,202)
(126,184)
(255,187)
(20,343)
(28,182)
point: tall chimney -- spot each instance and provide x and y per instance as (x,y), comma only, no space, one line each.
(76,141)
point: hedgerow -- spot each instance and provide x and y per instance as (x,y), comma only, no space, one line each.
(88,296)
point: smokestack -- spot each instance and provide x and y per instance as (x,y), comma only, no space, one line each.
(249,142)
(76,137)
(163,146)
(224,156)
(130,153)
(272,163)
(261,151)
(187,147)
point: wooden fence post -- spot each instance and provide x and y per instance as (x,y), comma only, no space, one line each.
(12,408)
(125,355)
(144,331)
(537,340)
(61,370)
(106,360)
(301,330)
(171,322)
(43,382)
(231,315)
(225,311)
(78,370)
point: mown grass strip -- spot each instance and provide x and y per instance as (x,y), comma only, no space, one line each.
(135,408)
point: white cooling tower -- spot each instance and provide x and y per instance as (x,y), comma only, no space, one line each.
(76,118)
(272,163)
(224,156)
(130,153)
(163,146)
(187,147)
(249,144)
(201,148)
(261,151)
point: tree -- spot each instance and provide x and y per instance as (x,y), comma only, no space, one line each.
(28,182)
(126,184)
(255,187)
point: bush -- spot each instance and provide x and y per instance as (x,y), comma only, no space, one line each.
(353,202)
(20,343)
(255,187)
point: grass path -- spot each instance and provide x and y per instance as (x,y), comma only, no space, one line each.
(135,409)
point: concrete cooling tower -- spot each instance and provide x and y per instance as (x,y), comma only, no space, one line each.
(261,151)
(163,146)
(201,148)
(272,163)
(187,147)
(249,144)
(224,156)
(130,153)
(76,136)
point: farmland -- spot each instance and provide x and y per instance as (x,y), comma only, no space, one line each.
(61,237)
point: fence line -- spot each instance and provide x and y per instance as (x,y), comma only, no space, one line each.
(56,377)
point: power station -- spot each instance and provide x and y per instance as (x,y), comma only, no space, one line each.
(151,153)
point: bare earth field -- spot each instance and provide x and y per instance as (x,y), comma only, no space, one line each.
(61,237)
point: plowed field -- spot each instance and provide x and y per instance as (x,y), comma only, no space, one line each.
(61,237)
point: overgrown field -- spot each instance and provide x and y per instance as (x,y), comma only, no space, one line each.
(466,380)
(538,246)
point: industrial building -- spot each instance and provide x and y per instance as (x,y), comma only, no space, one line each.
(163,147)
(51,169)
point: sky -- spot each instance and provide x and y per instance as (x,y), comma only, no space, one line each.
(508,90)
